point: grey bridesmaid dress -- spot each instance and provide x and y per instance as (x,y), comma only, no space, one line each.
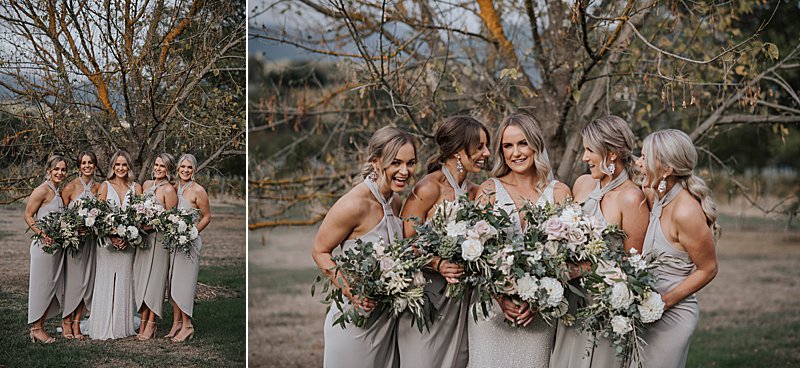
(183,270)
(446,342)
(573,348)
(79,272)
(668,338)
(375,344)
(46,287)
(150,270)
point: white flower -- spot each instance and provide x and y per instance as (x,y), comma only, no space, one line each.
(551,248)
(120,230)
(455,229)
(621,296)
(419,279)
(484,230)
(572,215)
(555,291)
(193,234)
(651,308)
(527,287)
(595,247)
(396,284)
(90,221)
(621,325)
(173,218)
(505,266)
(471,249)
(182,239)
(182,226)
(83,212)
(448,210)
(598,225)
(399,304)
(554,228)
(132,231)
(534,257)
(379,249)
(575,235)
(637,261)
(387,264)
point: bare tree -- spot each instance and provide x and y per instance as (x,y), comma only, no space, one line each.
(147,76)
(655,63)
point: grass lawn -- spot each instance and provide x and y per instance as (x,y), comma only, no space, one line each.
(219,340)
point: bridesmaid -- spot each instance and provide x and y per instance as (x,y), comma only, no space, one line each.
(683,225)
(151,264)
(46,287)
(183,270)
(521,174)
(79,273)
(112,298)
(462,148)
(368,212)
(608,193)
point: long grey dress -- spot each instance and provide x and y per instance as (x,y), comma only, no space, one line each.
(375,344)
(574,348)
(445,342)
(668,338)
(183,270)
(112,298)
(80,269)
(46,287)
(150,269)
(492,342)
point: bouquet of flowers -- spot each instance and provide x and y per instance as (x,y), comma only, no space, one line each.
(119,223)
(62,227)
(91,214)
(143,209)
(178,229)
(623,290)
(466,232)
(389,274)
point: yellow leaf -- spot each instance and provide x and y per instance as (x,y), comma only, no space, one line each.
(740,70)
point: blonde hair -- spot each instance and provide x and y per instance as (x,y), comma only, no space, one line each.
(129,178)
(611,134)
(673,148)
(52,161)
(533,135)
(452,135)
(384,145)
(169,162)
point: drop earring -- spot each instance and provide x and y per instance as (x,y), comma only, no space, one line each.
(459,166)
(373,176)
(611,168)
(662,185)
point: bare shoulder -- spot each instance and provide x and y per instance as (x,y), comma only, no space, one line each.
(167,189)
(198,189)
(70,187)
(40,192)
(583,183)
(427,189)
(630,194)
(352,204)
(688,211)
(561,191)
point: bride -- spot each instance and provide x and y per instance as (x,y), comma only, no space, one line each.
(112,299)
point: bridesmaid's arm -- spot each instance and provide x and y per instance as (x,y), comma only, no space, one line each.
(415,211)
(35,201)
(168,196)
(695,237)
(582,187)
(102,192)
(561,192)
(635,217)
(339,222)
(137,188)
(201,197)
(68,194)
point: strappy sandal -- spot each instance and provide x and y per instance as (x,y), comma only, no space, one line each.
(76,326)
(176,327)
(68,323)
(149,336)
(34,339)
(188,337)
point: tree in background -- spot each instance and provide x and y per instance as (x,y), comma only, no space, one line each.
(697,66)
(145,76)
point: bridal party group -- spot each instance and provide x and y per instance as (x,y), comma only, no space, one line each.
(633,305)
(124,275)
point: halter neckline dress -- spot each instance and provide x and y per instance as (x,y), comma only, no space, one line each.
(46,286)
(375,344)
(183,270)
(80,272)
(151,268)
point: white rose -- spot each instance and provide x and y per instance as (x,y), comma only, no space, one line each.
(485,230)
(651,308)
(551,248)
(555,291)
(610,272)
(621,325)
(455,229)
(419,279)
(387,264)
(572,216)
(120,230)
(83,212)
(94,212)
(193,234)
(527,287)
(621,297)
(182,226)
(379,249)
(173,218)
(471,249)
(90,221)
(182,239)
(133,231)
(575,235)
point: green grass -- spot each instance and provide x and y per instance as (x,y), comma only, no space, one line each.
(771,342)
(220,325)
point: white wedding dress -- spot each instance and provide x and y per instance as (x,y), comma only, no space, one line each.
(492,342)
(112,300)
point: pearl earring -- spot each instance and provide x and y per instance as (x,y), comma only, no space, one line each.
(459,166)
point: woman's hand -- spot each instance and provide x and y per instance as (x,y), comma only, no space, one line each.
(517,312)
(450,270)
(48,241)
(360,303)
(578,269)
(119,243)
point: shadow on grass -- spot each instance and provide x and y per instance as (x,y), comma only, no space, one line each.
(219,340)
(773,343)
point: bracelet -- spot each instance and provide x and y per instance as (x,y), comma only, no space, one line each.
(439,265)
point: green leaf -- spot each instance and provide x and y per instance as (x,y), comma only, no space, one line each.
(771,50)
